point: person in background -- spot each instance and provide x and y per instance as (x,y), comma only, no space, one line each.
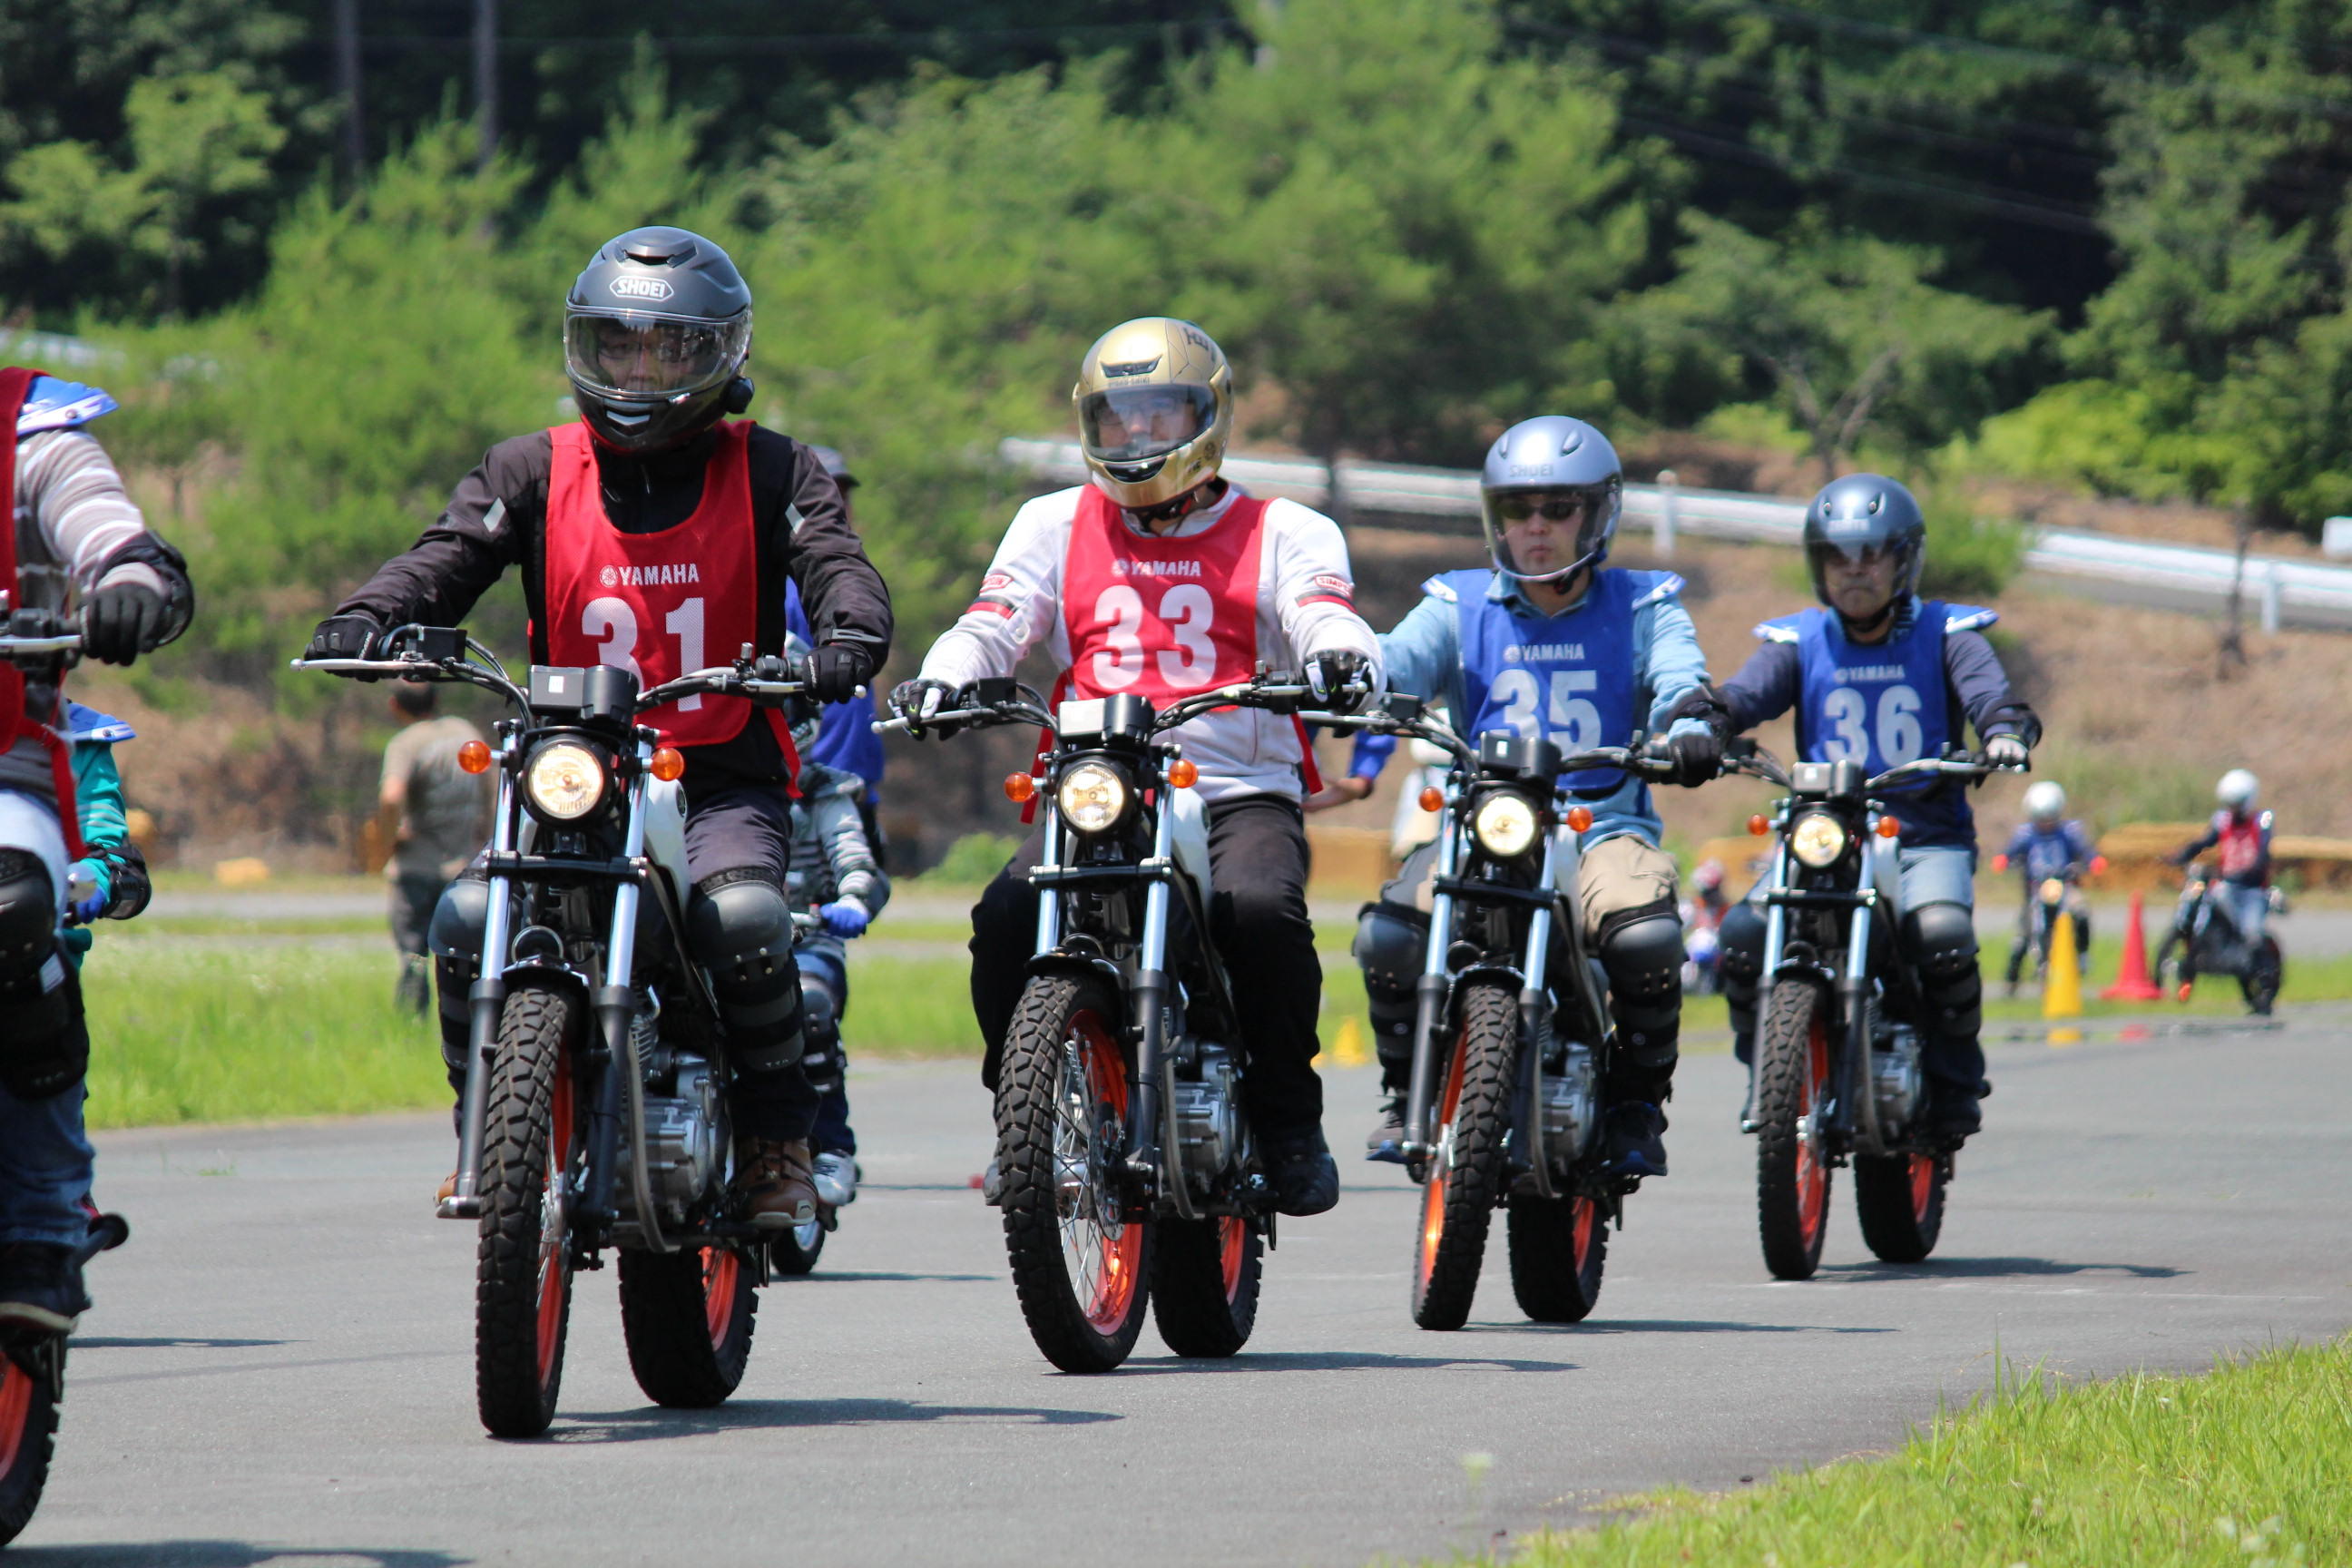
(2047,845)
(109,881)
(2242,836)
(1702,916)
(845,741)
(437,817)
(1368,755)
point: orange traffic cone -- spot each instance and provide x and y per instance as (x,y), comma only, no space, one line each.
(2132,980)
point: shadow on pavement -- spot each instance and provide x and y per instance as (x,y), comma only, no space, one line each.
(653,1422)
(227,1555)
(1339,1361)
(167,1342)
(1996,1268)
(1693,1326)
(851,1276)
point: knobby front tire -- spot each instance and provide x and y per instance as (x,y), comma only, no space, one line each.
(687,1316)
(1205,1283)
(1063,1105)
(1792,1169)
(1899,1198)
(531,1139)
(1559,1248)
(1466,1167)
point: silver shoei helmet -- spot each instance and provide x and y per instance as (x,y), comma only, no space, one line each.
(1564,471)
(2045,802)
(1857,516)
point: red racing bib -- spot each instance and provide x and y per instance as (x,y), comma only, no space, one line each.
(1160,618)
(17,721)
(659,605)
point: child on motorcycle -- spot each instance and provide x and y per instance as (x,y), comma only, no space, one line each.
(1880,676)
(2048,845)
(1547,642)
(109,881)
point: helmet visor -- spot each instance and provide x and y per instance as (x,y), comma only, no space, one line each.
(1542,534)
(637,356)
(1136,423)
(1860,579)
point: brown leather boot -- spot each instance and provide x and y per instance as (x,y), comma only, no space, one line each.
(777,1181)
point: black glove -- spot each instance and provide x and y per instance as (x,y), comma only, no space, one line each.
(343,636)
(1698,756)
(836,671)
(121,621)
(1341,680)
(917,700)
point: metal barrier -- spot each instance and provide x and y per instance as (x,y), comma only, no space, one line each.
(2279,592)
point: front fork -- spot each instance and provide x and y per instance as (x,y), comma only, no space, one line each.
(486,1002)
(619,1074)
(1429,1011)
(1155,1156)
(1532,1029)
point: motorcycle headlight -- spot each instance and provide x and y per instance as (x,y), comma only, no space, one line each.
(1817,840)
(1505,825)
(1092,797)
(564,781)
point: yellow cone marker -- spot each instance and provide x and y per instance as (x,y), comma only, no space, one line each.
(2061,991)
(1347,1046)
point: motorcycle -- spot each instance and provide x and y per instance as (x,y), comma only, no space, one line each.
(1129,1173)
(1511,1035)
(33,1361)
(1838,1065)
(594,1112)
(2205,938)
(2047,900)
(795,1252)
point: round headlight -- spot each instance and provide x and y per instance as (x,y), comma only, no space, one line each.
(564,781)
(1505,825)
(1817,840)
(1092,797)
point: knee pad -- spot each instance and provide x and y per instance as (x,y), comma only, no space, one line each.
(741,929)
(1742,939)
(1391,943)
(821,1029)
(1942,942)
(454,937)
(45,1049)
(1641,949)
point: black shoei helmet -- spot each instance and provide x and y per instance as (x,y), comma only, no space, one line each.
(1864,513)
(656,332)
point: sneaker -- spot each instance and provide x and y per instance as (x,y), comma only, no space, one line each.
(836,1174)
(1633,1130)
(40,1288)
(1306,1178)
(776,1183)
(1385,1141)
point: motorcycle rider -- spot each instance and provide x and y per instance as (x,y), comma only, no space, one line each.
(73,536)
(1882,676)
(1702,915)
(2242,835)
(1545,641)
(1244,581)
(656,536)
(2048,843)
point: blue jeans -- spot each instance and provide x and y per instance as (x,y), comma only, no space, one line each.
(820,958)
(45,1160)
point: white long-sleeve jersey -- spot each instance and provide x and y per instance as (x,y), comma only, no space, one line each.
(1305,606)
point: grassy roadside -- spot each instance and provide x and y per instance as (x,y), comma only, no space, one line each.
(2245,1465)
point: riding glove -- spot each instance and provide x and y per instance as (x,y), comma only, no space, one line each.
(836,671)
(2005,751)
(845,918)
(916,700)
(1339,679)
(121,622)
(343,636)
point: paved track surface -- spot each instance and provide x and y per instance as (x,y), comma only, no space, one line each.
(279,1371)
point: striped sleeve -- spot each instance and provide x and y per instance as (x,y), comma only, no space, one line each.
(68,488)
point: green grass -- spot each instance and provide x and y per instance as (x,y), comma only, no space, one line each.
(2243,1465)
(221,1033)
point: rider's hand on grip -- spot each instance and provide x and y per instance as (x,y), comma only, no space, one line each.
(836,671)
(845,918)
(916,700)
(1340,679)
(344,636)
(2005,751)
(122,621)
(1696,755)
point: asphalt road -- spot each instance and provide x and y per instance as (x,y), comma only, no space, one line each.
(279,1371)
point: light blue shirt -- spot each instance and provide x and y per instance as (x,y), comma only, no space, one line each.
(1424,656)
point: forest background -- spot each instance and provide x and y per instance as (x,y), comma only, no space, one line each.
(2098,247)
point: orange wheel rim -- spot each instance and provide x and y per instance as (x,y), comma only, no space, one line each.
(15,1411)
(1812,1171)
(1923,1186)
(719,1268)
(551,1219)
(1103,1256)
(1432,1193)
(1233,1253)
(1580,1232)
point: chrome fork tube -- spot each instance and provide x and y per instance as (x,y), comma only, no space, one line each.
(1429,1010)
(621,1074)
(1155,1150)
(1531,1029)
(1854,1088)
(1049,899)
(485,1003)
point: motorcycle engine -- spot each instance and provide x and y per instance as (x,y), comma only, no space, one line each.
(1570,1113)
(1208,1117)
(1895,1072)
(685,1144)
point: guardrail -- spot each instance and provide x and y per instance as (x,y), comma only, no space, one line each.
(2279,591)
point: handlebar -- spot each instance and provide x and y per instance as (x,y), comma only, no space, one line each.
(1756,762)
(1026,705)
(37,648)
(762,680)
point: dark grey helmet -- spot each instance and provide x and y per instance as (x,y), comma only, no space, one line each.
(656,331)
(1864,512)
(1553,464)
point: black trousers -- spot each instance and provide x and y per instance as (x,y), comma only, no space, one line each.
(1258,920)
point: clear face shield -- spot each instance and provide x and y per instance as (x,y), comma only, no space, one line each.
(1136,423)
(1545,535)
(642,358)
(1860,581)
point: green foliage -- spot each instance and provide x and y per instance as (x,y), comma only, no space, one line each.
(973,860)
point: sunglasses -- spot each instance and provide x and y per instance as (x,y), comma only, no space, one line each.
(1551,508)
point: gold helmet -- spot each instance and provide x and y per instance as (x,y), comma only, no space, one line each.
(1155,401)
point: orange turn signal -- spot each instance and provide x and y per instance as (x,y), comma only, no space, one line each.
(1020,788)
(1580,817)
(668,764)
(1183,773)
(2098,864)
(1759,824)
(1432,799)
(474,757)
(1888,827)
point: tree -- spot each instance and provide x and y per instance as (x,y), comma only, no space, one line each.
(1847,333)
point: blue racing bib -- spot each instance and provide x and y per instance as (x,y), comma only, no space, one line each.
(1880,704)
(1569,678)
